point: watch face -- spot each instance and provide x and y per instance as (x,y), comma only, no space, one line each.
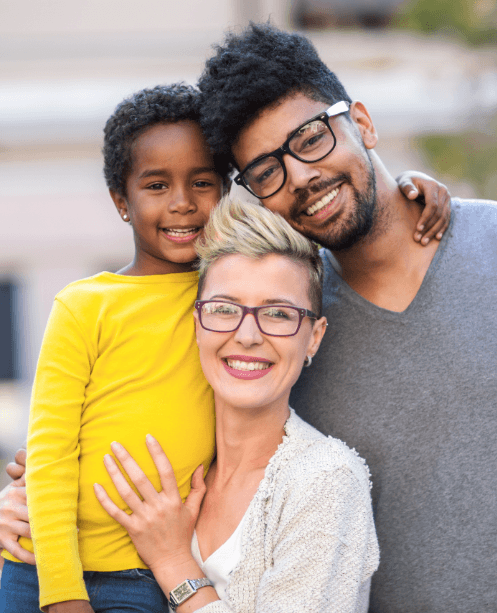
(182,592)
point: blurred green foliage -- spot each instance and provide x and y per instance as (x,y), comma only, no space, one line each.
(468,157)
(474,21)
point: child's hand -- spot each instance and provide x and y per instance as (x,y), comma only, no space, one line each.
(17,469)
(160,525)
(14,522)
(435,217)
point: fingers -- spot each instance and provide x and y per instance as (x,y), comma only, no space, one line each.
(197,492)
(15,471)
(20,457)
(112,509)
(18,552)
(122,486)
(164,468)
(134,472)
(408,188)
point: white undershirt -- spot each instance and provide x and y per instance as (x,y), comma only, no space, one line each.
(221,562)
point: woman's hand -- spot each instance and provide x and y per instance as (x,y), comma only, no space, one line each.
(435,217)
(160,526)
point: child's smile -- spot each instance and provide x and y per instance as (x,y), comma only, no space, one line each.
(171,189)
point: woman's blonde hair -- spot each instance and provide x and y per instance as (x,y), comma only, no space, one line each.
(236,227)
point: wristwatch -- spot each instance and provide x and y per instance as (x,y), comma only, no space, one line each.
(186,590)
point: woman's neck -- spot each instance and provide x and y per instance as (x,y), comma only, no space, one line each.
(246,439)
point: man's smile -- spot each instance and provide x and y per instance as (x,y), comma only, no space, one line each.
(325,200)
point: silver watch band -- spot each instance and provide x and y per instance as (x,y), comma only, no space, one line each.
(186,590)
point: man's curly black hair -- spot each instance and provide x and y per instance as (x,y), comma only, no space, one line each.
(134,115)
(253,70)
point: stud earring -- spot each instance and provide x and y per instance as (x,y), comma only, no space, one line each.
(125,217)
(308,361)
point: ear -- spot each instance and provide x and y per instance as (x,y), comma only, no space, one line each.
(364,123)
(318,330)
(120,203)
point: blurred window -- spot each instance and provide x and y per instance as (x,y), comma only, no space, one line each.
(7,331)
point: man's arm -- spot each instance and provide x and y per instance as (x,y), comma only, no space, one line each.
(14,520)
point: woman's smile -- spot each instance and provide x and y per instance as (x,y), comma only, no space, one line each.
(247,367)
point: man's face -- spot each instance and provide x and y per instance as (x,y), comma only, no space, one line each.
(332,201)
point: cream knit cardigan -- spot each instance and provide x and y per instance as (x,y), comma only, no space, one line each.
(309,542)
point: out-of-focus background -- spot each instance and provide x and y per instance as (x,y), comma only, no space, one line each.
(426,69)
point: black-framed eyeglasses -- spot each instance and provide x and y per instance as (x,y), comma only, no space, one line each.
(310,142)
(271,319)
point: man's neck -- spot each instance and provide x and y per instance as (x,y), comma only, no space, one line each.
(387,267)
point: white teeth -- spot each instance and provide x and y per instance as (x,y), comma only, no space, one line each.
(181,233)
(323,202)
(239,365)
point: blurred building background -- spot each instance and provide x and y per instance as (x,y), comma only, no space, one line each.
(426,69)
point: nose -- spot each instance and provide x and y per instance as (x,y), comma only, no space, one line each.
(248,334)
(300,174)
(181,201)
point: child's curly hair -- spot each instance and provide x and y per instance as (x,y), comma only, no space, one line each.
(254,70)
(134,115)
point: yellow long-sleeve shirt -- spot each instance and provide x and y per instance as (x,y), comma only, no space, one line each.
(118,360)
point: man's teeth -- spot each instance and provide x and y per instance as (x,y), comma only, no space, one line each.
(323,202)
(239,365)
(181,233)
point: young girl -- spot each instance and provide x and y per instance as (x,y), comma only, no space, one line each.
(119,360)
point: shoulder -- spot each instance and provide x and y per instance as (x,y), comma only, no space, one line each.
(481,214)
(95,286)
(314,455)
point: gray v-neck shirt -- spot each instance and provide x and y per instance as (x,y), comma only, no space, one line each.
(416,394)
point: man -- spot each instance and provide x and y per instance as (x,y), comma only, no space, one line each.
(407,374)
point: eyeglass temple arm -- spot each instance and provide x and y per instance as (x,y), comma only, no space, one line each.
(339,107)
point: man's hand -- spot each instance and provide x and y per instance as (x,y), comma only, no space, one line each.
(71,606)
(17,469)
(14,522)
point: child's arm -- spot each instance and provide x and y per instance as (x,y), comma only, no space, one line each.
(62,375)
(435,217)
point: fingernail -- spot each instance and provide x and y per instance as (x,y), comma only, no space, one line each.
(150,439)
(421,227)
(439,235)
(96,486)
(107,459)
(417,236)
(425,241)
(115,446)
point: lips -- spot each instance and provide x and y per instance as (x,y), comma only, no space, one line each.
(247,367)
(323,202)
(181,235)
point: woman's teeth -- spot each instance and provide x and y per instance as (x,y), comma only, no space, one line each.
(238,365)
(317,206)
(181,233)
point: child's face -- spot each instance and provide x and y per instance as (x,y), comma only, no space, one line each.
(171,190)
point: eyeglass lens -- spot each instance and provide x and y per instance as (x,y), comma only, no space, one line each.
(273,320)
(310,143)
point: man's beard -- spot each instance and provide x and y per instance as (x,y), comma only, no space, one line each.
(344,233)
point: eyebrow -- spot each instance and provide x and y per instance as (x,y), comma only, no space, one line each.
(267,301)
(161,172)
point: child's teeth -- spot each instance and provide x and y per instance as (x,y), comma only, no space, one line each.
(181,232)
(323,202)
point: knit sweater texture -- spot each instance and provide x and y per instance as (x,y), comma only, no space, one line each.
(309,542)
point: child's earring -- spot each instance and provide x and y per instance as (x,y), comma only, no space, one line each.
(125,217)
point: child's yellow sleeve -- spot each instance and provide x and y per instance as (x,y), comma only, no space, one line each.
(63,372)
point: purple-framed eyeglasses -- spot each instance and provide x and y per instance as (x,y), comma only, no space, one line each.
(271,319)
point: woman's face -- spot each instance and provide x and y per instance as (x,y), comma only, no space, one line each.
(275,362)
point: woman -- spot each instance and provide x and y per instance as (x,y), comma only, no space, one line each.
(283,521)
